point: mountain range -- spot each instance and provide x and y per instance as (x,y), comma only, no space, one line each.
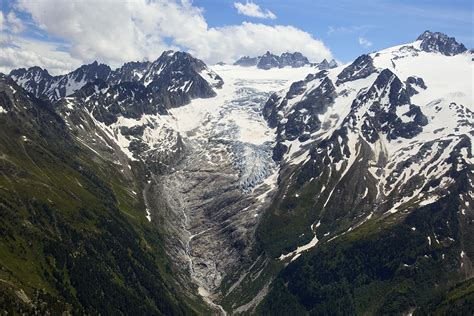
(271,186)
(295,60)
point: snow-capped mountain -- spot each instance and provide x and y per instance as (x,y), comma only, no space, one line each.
(376,181)
(130,72)
(383,135)
(39,82)
(441,43)
(179,77)
(176,76)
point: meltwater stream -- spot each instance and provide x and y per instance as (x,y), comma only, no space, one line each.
(218,186)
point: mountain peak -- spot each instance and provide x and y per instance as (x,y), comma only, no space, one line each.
(270,60)
(427,34)
(187,72)
(441,43)
(94,64)
(35,70)
(167,53)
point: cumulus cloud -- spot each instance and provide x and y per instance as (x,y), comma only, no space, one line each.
(28,53)
(253,10)
(365,42)
(17,51)
(118,31)
(255,39)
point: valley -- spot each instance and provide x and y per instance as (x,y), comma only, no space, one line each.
(271,186)
(226,174)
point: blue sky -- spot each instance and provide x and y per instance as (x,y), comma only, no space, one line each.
(60,34)
(339,24)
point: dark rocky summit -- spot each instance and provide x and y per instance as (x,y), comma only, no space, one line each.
(176,77)
(295,60)
(362,67)
(441,43)
(325,65)
(39,82)
(269,60)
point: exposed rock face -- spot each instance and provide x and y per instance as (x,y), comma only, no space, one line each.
(414,84)
(296,114)
(247,61)
(441,43)
(35,80)
(128,99)
(178,77)
(362,67)
(292,59)
(325,65)
(269,61)
(39,82)
(386,96)
(384,144)
(130,72)
(173,79)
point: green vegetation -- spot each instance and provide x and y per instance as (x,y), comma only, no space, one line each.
(74,234)
(389,271)
(459,299)
(289,217)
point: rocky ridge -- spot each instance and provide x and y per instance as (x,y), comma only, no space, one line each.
(269,61)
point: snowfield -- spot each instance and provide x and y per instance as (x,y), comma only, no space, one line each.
(234,118)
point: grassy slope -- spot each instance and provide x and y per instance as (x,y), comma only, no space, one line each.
(74,236)
(380,268)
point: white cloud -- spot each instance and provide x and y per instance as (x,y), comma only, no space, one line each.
(28,53)
(255,39)
(1,21)
(347,29)
(253,10)
(17,51)
(10,23)
(15,25)
(365,42)
(118,31)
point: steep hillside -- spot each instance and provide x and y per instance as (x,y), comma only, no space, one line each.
(74,233)
(374,208)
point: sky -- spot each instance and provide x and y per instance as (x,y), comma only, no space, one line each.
(60,35)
